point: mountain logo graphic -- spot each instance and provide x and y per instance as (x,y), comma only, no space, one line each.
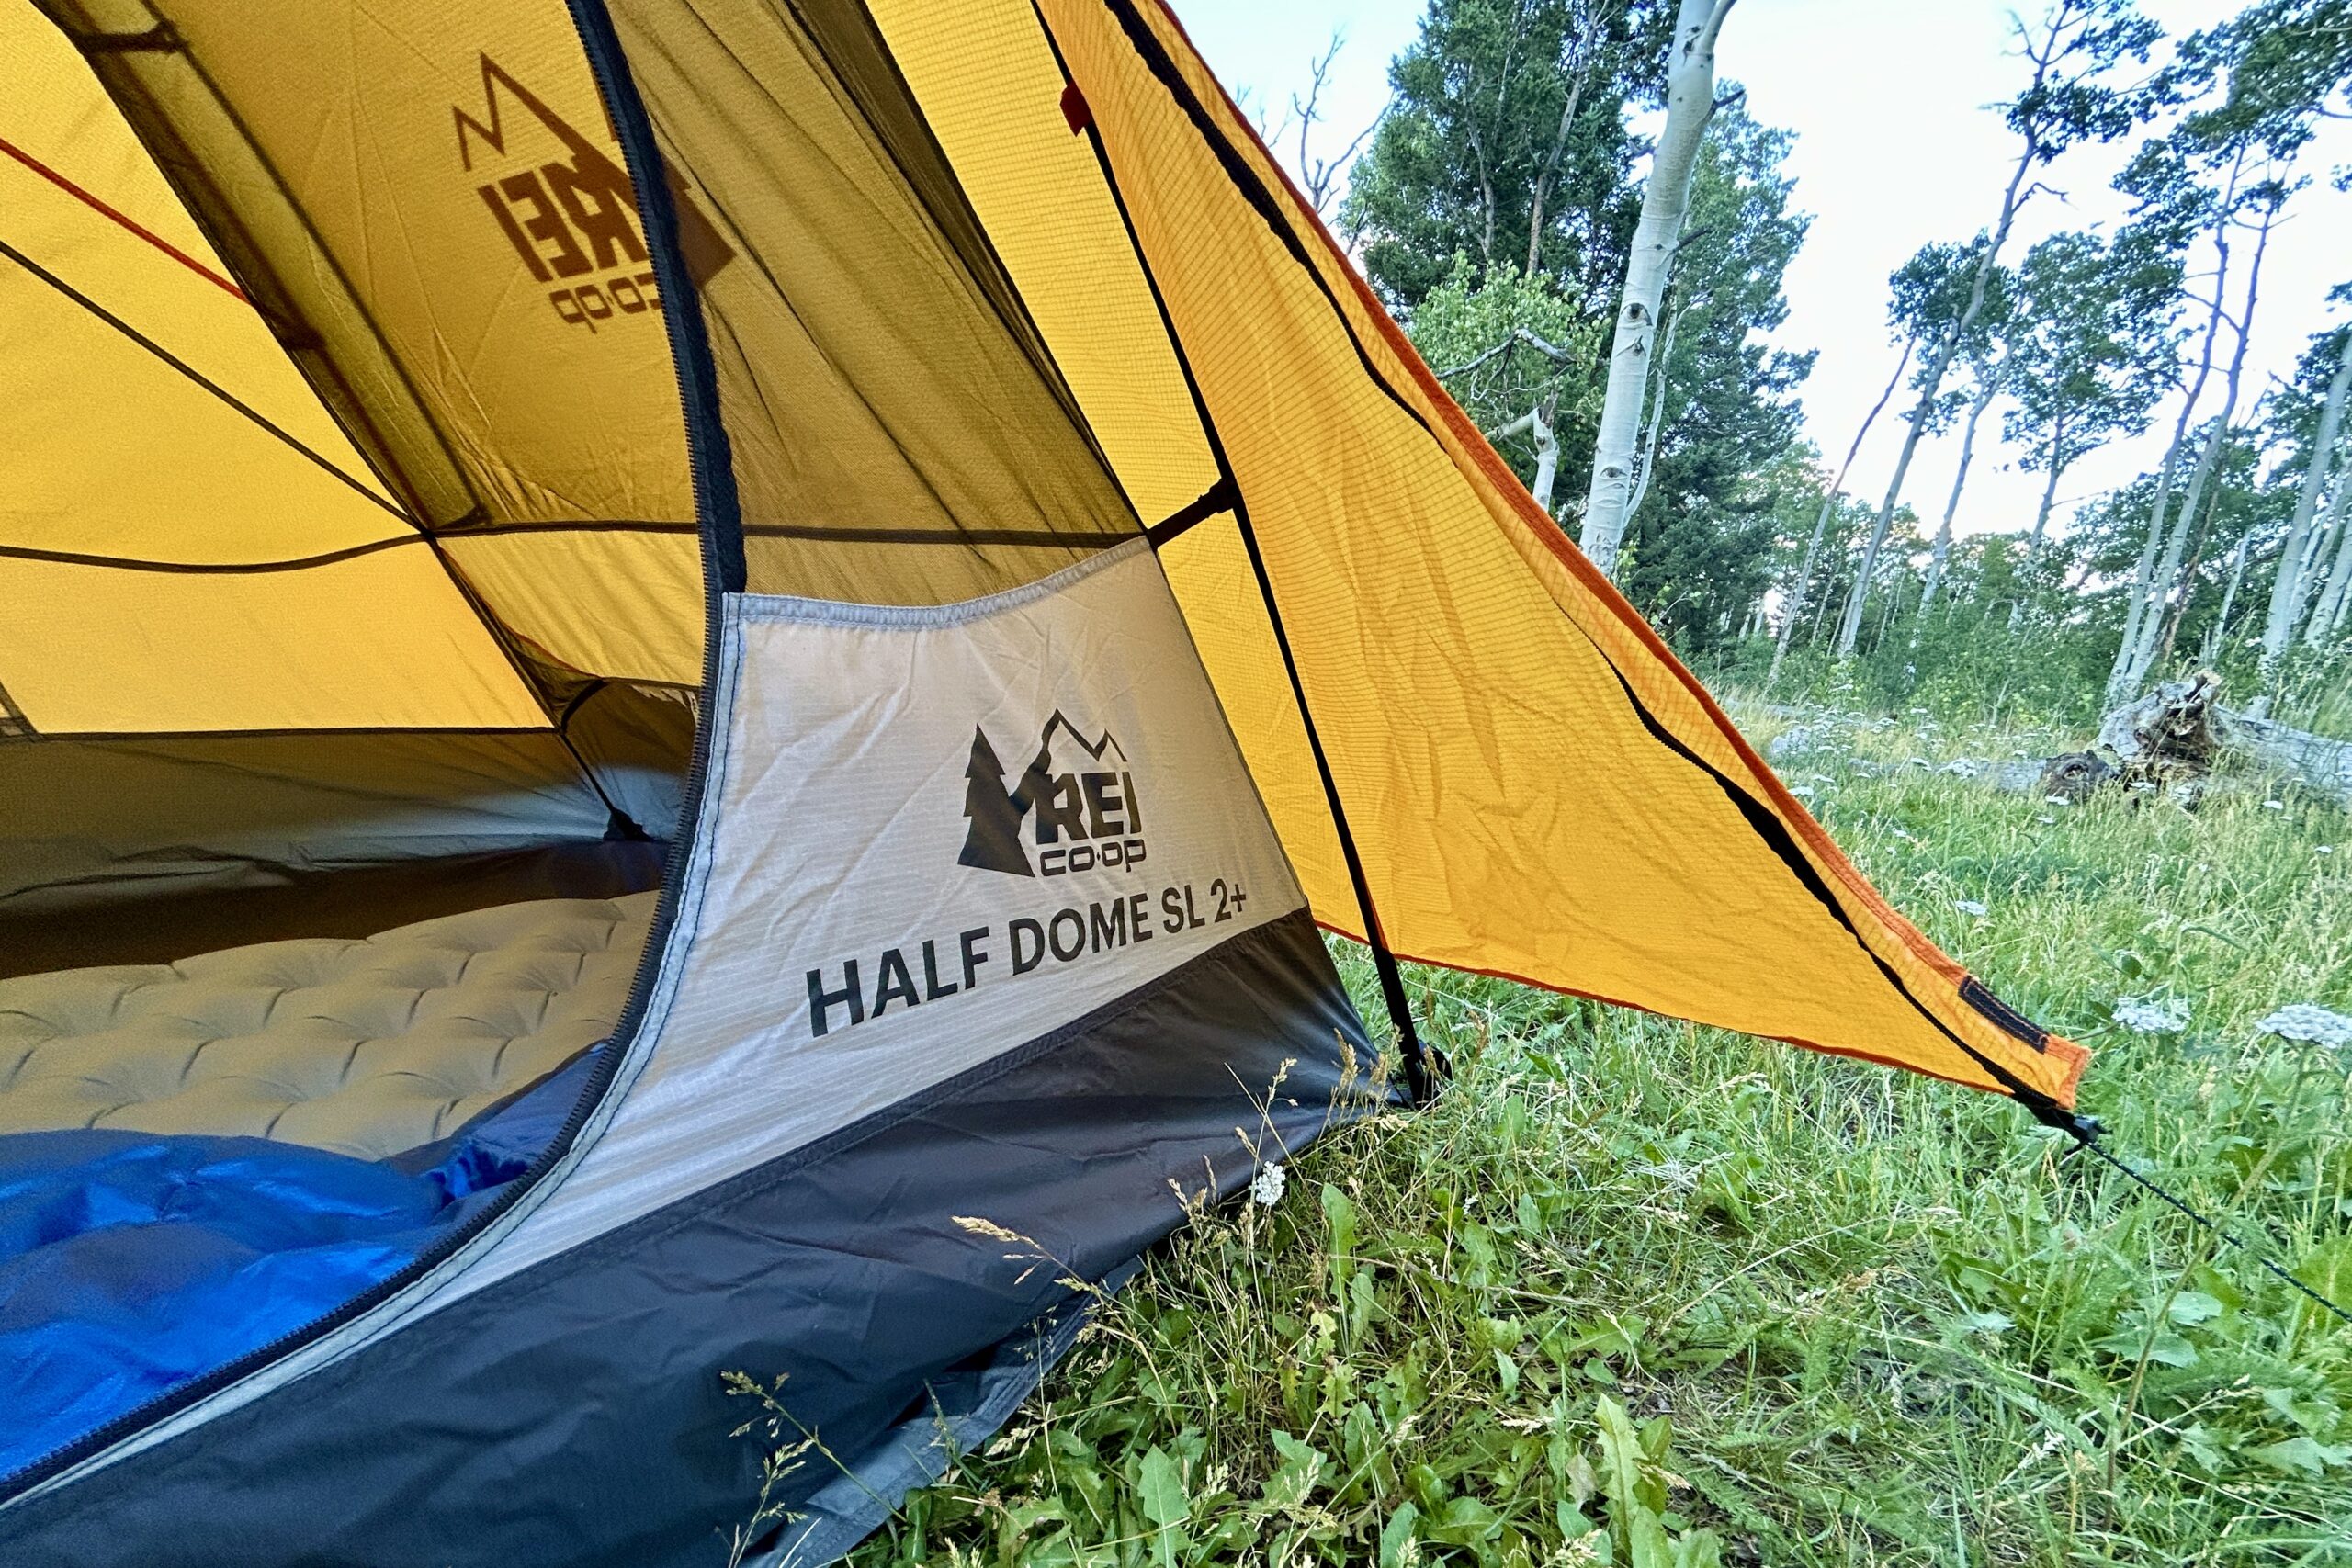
(568,209)
(1075,804)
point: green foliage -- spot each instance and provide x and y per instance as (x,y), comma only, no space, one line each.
(1498,102)
(1635,1292)
(1963,662)
(2091,343)
(1719,454)
(2278,66)
(2294,409)
(2081,91)
(1722,450)
(1928,296)
(1493,210)
(1476,334)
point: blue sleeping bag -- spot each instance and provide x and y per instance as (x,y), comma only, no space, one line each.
(130,1263)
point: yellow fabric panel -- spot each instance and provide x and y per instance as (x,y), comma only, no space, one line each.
(987,81)
(627,605)
(430,207)
(874,369)
(1208,568)
(523,321)
(381,641)
(208,484)
(939,569)
(55,110)
(111,452)
(1521,808)
(233,192)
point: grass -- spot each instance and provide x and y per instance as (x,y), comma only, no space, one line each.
(1634,1292)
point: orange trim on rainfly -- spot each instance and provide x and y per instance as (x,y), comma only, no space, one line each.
(98,206)
(2070,1055)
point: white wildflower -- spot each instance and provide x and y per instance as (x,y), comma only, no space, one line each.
(2324,850)
(2057,800)
(1802,792)
(1271,1180)
(1970,907)
(2151,1014)
(2274,805)
(2308,1020)
(1672,1172)
(2047,822)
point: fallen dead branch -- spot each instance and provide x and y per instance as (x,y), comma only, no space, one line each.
(2177,740)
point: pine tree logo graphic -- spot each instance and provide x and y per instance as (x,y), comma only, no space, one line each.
(1079,806)
(993,840)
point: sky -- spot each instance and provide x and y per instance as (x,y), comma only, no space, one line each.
(1897,144)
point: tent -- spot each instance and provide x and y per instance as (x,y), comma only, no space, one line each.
(650,649)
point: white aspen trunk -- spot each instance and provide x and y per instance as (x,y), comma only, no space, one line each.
(2328,613)
(2288,593)
(2143,575)
(1851,623)
(1547,459)
(1796,612)
(2318,546)
(1820,615)
(2157,617)
(2152,618)
(2040,519)
(2121,677)
(1666,201)
(1537,421)
(1657,418)
(1946,348)
(1829,505)
(1941,553)
(2221,627)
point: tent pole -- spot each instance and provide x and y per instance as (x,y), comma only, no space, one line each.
(1419,1082)
(1417,1078)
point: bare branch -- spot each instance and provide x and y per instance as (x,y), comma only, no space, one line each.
(1320,177)
(1469,365)
(1559,355)
(1518,335)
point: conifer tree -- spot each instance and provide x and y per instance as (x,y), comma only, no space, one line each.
(993,841)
